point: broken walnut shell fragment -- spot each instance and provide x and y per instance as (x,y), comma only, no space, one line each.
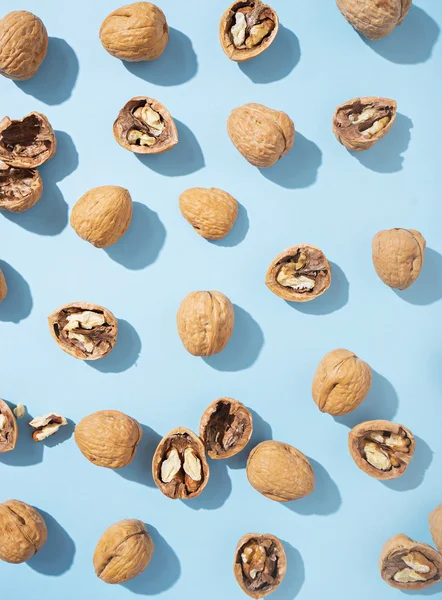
(374,19)
(359,123)
(381,449)
(260,564)
(3,287)
(8,428)
(262,135)
(408,565)
(211,211)
(179,465)
(247,28)
(398,256)
(20,189)
(226,427)
(46,426)
(85,331)
(435,522)
(145,126)
(22,531)
(299,274)
(280,471)
(23,45)
(27,143)
(123,551)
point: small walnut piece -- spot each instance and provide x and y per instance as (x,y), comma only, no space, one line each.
(123,551)
(262,135)
(20,189)
(260,564)
(226,428)
(46,426)
(3,287)
(280,472)
(22,531)
(408,565)
(210,211)
(19,411)
(179,465)
(435,521)
(23,44)
(8,428)
(374,19)
(27,143)
(398,256)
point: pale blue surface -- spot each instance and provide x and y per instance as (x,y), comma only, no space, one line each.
(319,194)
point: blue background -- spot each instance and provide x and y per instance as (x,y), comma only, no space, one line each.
(319,194)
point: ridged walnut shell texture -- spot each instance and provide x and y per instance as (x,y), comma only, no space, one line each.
(226,427)
(22,531)
(9,433)
(374,19)
(102,215)
(20,189)
(435,522)
(262,135)
(341,382)
(135,32)
(123,551)
(211,211)
(3,287)
(31,138)
(23,45)
(280,472)
(108,438)
(205,322)
(398,256)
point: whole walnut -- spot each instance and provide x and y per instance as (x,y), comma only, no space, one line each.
(262,135)
(205,322)
(108,438)
(435,521)
(22,531)
(374,19)
(135,32)
(3,286)
(341,382)
(210,211)
(398,256)
(123,551)
(23,45)
(280,472)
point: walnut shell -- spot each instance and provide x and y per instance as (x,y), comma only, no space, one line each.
(391,562)
(123,551)
(20,189)
(398,256)
(280,472)
(265,554)
(3,287)
(262,135)
(341,382)
(90,342)
(374,19)
(381,449)
(211,211)
(359,123)
(23,45)
(135,32)
(22,531)
(179,465)
(108,438)
(27,143)
(258,26)
(102,215)
(435,522)
(134,133)
(299,274)
(226,427)
(8,428)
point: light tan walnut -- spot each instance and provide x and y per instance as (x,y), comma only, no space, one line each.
(211,211)
(22,531)
(435,521)
(398,256)
(374,19)
(23,45)
(3,287)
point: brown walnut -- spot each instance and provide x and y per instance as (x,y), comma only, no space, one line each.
(22,531)
(8,428)
(435,522)
(398,256)
(210,211)
(27,143)
(20,189)
(3,287)
(225,428)
(23,45)
(260,564)
(372,18)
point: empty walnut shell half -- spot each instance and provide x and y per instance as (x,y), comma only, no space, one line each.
(22,531)
(262,135)
(8,428)
(398,256)
(144,126)
(299,274)
(108,438)
(435,522)
(225,428)
(359,123)
(374,19)
(85,331)
(381,449)
(260,564)
(179,465)
(211,211)
(280,472)
(247,29)
(23,45)
(20,189)
(408,565)
(123,551)
(27,143)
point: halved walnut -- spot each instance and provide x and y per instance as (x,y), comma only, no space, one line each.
(20,189)
(381,449)
(360,123)
(144,126)
(83,330)
(225,428)
(46,426)
(409,565)
(8,428)
(179,465)
(27,143)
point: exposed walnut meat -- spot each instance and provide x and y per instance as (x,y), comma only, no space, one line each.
(46,426)
(27,143)
(225,428)
(8,428)
(20,189)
